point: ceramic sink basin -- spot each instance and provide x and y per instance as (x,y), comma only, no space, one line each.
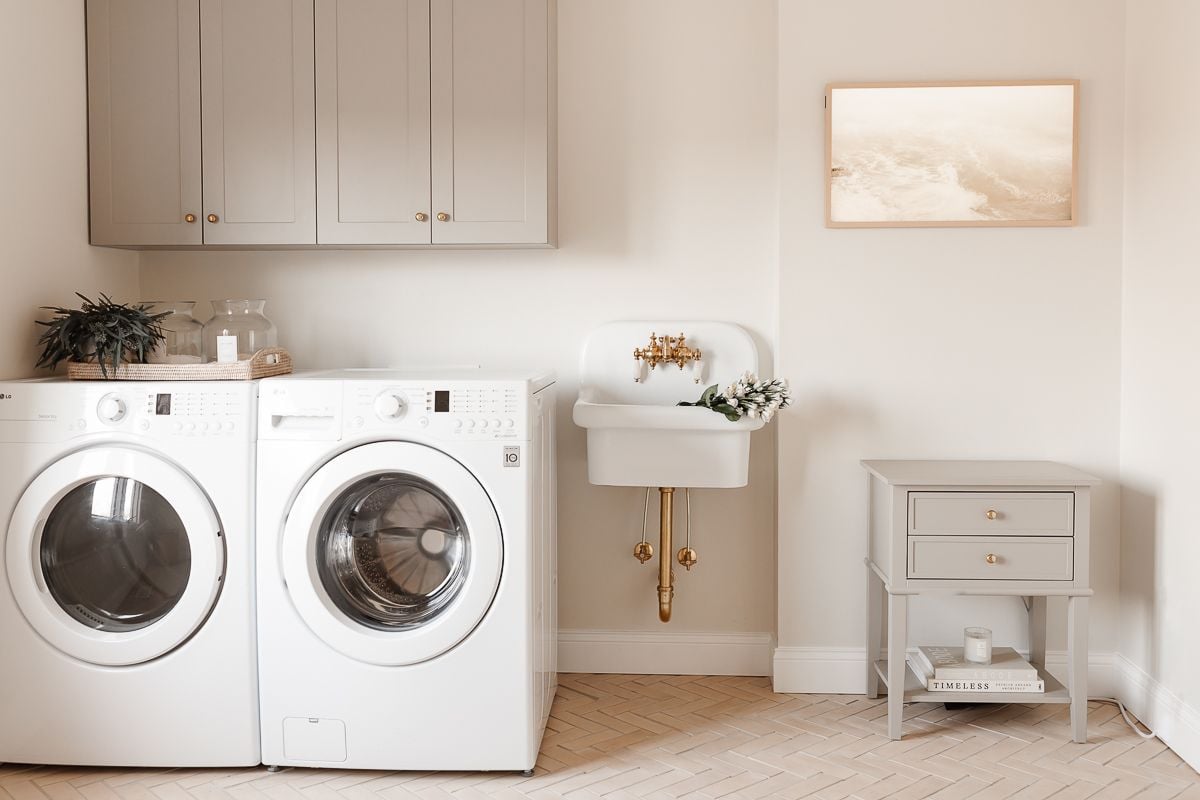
(637,435)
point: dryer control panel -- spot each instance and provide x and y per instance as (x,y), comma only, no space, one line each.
(475,411)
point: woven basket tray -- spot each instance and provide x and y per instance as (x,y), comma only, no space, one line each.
(263,364)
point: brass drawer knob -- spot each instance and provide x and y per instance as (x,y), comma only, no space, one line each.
(213,218)
(443,216)
(422,216)
(991,513)
(189,218)
(991,558)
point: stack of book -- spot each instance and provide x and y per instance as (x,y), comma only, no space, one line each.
(943,669)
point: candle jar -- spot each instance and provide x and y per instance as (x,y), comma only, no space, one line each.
(238,329)
(977,645)
(182,343)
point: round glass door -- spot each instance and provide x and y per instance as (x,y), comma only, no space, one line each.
(114,555)
(392,553)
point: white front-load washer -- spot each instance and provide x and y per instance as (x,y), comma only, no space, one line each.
(127,604)
(406,569)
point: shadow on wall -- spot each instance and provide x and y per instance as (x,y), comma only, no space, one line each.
(1139,577)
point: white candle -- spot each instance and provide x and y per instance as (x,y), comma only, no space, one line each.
(977,645)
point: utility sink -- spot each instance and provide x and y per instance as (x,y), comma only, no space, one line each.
(636,434)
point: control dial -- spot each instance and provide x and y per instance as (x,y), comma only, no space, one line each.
(111,409)
(390,405)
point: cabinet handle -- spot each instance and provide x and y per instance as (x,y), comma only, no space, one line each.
(991,558)
(443,216)
(991,513)
(213,218)
(189,218)
(422,216)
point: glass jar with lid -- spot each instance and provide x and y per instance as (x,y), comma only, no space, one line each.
(238,329)
(184,342)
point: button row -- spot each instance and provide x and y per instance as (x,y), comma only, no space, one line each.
(203,427)
(484,424)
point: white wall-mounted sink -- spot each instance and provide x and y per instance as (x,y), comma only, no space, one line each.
(637,435)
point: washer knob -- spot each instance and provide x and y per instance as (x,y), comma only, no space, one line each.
(389,406)
(111,408)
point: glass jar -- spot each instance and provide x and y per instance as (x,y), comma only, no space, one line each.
(238,329)
(183,343)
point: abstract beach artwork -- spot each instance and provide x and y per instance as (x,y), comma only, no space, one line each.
(951,154)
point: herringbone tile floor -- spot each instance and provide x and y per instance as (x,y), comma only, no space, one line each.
(645,736)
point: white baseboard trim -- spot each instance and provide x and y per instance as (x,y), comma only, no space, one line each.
(1172,720)
(665,652)
(842,670)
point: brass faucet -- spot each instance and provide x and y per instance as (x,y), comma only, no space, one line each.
(667,350)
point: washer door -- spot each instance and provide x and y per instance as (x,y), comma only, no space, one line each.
(114,556)
(392,553)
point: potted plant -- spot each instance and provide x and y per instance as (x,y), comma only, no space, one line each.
(106,332)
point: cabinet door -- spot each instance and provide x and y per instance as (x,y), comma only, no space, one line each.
(373,122)
(259,138)
(144,121)
(490,121)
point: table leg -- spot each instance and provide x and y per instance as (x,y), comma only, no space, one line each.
(1037,631)
(897,655)
(874,629)
(1077,659)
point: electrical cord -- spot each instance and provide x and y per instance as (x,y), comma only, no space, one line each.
(1147,734)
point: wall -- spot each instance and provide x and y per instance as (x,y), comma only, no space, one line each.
(1160,437)
(667,207)
(938,343)
(44,255)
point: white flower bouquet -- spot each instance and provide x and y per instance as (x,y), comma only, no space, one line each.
(746,397)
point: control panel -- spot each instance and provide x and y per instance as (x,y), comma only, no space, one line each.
(461,410)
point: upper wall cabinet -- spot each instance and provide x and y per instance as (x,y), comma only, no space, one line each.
(144,118)
(330,122)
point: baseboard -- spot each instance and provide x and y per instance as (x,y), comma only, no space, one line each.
(665,652)
(842,670)
(1171,719)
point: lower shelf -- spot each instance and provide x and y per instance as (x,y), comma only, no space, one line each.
(915,692)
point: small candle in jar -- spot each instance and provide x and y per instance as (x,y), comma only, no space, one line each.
(977,645)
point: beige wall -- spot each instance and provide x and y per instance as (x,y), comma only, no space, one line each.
(950,343)
(667,207)
(1160,431)
(44,255)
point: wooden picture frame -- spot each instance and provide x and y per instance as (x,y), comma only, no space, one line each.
(926,177)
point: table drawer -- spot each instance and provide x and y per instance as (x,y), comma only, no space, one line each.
(991,513)
(1004,558)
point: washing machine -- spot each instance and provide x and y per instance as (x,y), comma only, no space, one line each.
(127,610)
(406,569)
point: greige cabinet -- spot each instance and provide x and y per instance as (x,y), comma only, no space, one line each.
(144,117)
(1006,528)
(434,122)
(257,110)
(322,122)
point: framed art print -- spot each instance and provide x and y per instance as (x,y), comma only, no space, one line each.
(984,153)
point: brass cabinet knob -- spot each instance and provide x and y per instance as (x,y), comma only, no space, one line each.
(443,216)
(991,558)
(991,513)
(189,218)
(422,216)
(213,218)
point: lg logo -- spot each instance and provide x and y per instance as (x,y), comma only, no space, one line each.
(512,456)
(5,396)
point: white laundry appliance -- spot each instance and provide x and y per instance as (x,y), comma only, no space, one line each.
(406,587)
(127,604)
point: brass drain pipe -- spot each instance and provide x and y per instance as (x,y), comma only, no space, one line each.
(666,575)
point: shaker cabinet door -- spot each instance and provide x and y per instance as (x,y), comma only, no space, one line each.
(490,121)
(258,121)
(373,122)
(144,121)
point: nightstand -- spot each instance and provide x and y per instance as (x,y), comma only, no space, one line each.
(1008,528)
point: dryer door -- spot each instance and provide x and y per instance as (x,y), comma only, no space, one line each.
(392,553)
(114,555)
